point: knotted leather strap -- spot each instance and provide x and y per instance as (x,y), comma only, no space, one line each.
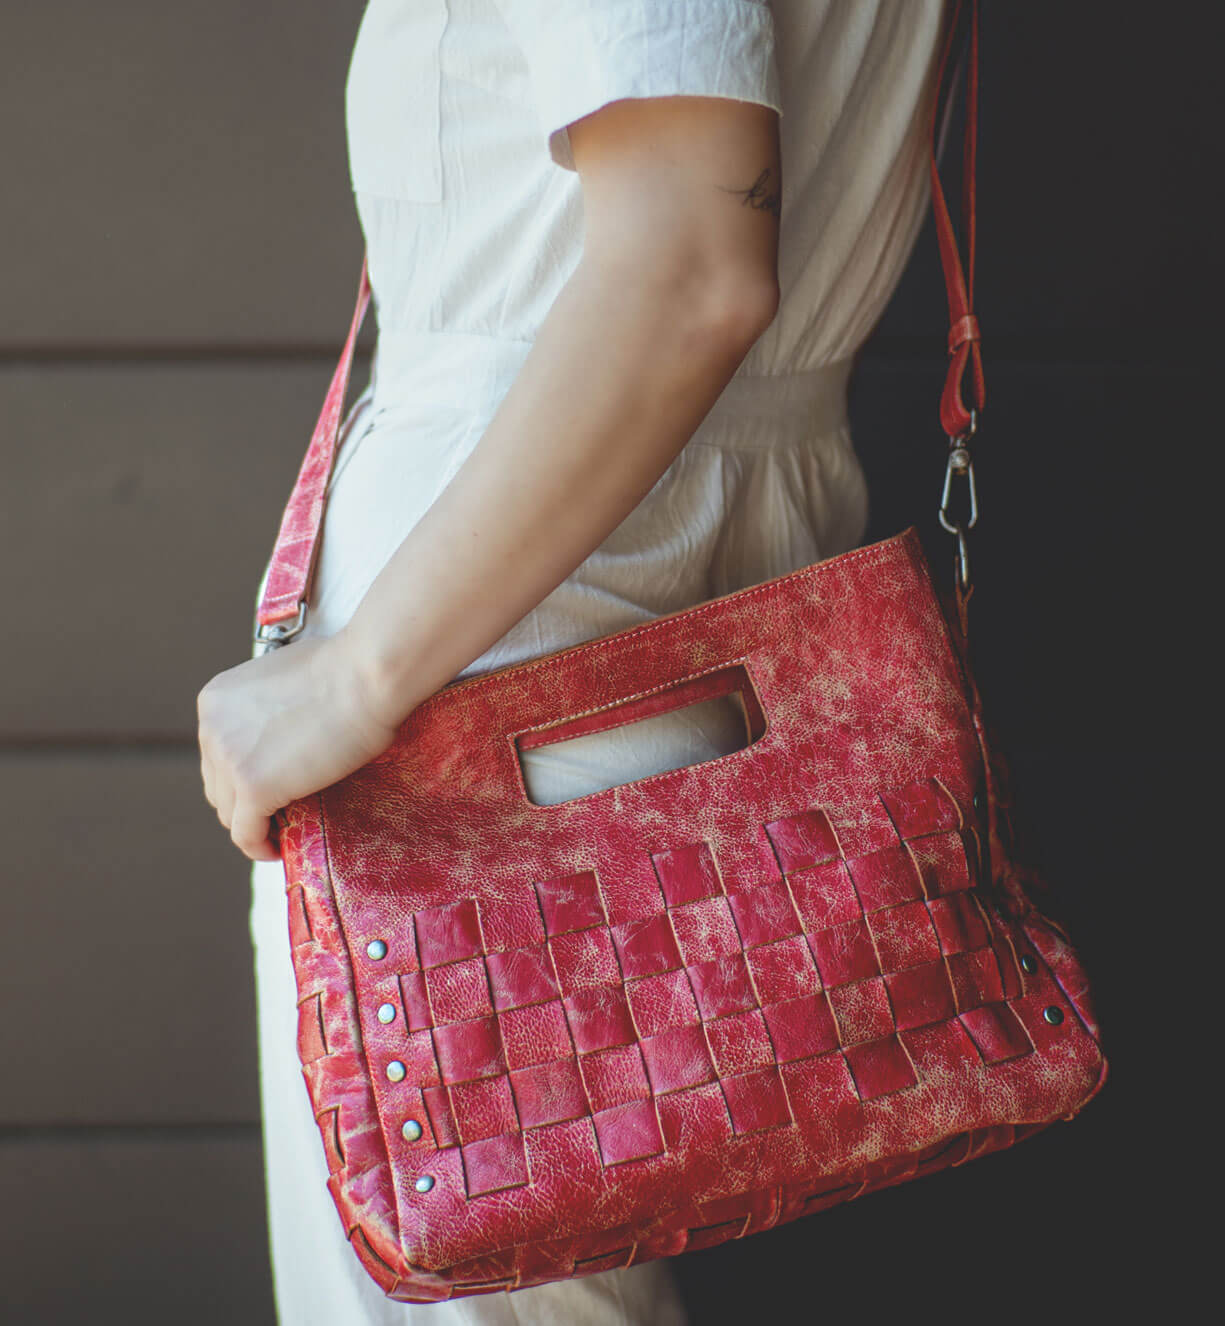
(292,568)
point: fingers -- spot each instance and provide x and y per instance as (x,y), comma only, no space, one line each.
(227,799)
(207,777)
(249,830)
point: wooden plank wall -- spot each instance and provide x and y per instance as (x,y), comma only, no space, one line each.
(179,252)
(180,259)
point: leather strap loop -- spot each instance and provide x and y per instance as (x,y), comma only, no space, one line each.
(292,567)
(963,330)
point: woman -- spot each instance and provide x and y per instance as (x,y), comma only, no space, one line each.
(623,253)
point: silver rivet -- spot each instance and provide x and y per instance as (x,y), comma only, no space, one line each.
(387,1013)
(410,1130)
(396,1072)
(1028,965)
(376,949)
(1053,1015)
(424,1183)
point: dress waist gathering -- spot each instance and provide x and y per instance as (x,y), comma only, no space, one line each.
(419,373)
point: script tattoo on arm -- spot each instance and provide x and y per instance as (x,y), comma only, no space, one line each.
(762,194)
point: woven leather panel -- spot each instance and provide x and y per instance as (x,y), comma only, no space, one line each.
(709,1006)
(688,1008)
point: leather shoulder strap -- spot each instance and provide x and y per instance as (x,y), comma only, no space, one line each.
(964,341)
(282,609)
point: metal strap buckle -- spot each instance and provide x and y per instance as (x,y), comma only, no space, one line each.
(272,636)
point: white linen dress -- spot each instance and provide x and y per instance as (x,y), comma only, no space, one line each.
(472,212)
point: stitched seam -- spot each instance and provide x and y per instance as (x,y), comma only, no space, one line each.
(740,659)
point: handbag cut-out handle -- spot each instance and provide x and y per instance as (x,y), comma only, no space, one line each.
(732,680)
(281,614)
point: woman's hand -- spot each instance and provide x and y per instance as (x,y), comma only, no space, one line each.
(281,726)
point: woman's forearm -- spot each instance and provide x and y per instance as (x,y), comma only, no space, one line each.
(624,368)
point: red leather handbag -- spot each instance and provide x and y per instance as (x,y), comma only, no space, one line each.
(547,1040)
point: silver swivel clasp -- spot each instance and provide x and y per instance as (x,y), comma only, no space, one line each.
(961,466)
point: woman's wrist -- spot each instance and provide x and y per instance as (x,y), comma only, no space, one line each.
(382,678)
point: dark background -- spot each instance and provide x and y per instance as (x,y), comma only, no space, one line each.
(179,252)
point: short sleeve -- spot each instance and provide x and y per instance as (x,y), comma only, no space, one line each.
(582,54)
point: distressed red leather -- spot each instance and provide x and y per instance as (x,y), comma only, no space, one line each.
(691,1007)
(544,1041)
